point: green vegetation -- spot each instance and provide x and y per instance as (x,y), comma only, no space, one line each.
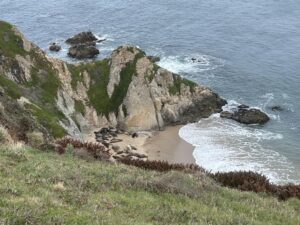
(97,93)
(77,73)
(10,43)
(10,87)
(49,120)
(178,80)
(79,107)
(151,73)
(44,78)
(46,188)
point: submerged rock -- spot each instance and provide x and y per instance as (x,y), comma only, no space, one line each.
(83,51)
(276,108)
(54,47)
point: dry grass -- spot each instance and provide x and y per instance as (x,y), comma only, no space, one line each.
(46,188)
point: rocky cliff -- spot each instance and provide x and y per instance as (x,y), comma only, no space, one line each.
(126,90)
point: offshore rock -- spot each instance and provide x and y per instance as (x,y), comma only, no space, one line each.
(82,38)
(83,51)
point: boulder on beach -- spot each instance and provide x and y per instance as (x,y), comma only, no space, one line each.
(82,38)
(246,116)
(83,51)
(54,47)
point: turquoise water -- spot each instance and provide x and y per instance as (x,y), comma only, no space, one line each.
(248,51)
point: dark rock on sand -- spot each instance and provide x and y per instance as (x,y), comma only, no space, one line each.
(55,47)
(83,51)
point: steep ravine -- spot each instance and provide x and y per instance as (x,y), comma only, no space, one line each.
(126,90)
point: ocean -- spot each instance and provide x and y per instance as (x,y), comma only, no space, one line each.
(247,51)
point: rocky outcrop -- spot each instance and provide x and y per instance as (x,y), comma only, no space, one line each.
(54,47)
(126,90)
(83,51)
(82,38)
(246,115)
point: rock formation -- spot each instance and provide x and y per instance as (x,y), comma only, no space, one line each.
(83,51)
(126,90)
(245,114)
(82,38)
(54,47)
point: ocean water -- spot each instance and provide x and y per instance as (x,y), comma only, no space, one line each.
(248,52)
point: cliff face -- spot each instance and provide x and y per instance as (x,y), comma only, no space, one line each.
(125,90)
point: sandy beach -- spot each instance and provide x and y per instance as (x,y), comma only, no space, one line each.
(158,145)
(167,145)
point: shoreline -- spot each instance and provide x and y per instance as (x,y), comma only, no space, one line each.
(164,145)
(168,146)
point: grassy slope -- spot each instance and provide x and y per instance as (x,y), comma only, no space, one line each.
(45,188)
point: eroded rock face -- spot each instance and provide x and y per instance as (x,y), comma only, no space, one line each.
(126,90)
(247,116)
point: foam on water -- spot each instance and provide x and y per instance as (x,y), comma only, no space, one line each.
(184,64)
(224,145)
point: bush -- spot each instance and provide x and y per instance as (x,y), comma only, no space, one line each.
(35,139)
(5,137)
(98,151)
(161,166)
(255,182)
(244,181)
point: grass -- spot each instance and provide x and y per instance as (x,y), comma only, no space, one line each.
(10,87)
(44,78)
(46,188)
(10,44)
(79,107)
(49,120)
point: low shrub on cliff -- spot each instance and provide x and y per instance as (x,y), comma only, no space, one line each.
(97,150)
(244,181)
(161,166)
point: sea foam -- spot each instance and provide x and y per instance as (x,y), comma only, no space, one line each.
(225,145)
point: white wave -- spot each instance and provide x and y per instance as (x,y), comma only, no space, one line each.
(105,37)
(183,64)
(224,145)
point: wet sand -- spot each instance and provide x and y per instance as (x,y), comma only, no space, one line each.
(168,146)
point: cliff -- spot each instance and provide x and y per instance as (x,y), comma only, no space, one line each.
(126,90)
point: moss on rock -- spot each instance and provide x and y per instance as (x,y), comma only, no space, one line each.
(178,80)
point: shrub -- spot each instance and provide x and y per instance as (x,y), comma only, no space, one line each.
(98,151)
(35,139)
(161,166)
(5,137)
(244,181)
